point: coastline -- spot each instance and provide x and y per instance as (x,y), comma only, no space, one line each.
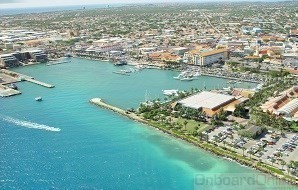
(209,147)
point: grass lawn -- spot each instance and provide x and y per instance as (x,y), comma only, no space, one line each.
(192,124)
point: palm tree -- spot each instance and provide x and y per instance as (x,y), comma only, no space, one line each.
(250,153)
(282,163)
(185,123)
(243,149)
(224,143)
(272,161)
(288,168)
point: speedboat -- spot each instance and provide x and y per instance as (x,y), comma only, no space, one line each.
(39,99)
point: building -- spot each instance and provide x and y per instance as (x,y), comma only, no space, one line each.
(8,60)
(210,57)
(252,130)
(286,104)
(210,102)
(14,59)
(180,50)
(38,55)
(164,56)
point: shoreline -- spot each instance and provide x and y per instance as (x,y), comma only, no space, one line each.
(232,78)
(209,147)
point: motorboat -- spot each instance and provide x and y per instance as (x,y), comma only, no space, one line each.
(38,99)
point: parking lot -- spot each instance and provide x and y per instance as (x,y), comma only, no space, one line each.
(271,147)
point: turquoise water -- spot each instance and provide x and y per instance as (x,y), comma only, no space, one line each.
(96,148)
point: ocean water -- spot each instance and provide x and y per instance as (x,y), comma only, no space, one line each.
(64,142)
(32,10)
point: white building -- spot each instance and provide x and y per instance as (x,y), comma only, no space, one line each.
(210,57)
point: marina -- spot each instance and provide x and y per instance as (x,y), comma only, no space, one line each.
(102,130)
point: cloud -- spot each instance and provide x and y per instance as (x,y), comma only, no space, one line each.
(8,1)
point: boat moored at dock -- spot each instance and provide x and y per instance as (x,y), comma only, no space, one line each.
(121,63)
(13,86)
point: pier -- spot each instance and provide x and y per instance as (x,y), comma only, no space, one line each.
(39,82)
(20,77)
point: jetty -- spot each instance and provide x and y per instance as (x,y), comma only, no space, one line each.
(21,77)
(39,83)
(99,102)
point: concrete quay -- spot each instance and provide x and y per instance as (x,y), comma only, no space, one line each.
(20,77)
(6,92)
(15,74)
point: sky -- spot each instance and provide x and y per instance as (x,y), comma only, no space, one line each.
(42,3)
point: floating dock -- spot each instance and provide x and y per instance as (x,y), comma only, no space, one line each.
(39,83)
(121,73)
(57,63)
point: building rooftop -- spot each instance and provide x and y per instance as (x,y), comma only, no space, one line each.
(213,52)
(206,99)
(289,108)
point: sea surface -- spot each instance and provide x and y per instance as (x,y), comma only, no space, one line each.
(64,142)
(32,10)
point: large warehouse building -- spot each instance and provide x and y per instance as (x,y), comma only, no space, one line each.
(210,102)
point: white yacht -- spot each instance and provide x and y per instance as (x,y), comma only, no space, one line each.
(188,78)
(170,92)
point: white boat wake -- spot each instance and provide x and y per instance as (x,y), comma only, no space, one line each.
(28,124)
